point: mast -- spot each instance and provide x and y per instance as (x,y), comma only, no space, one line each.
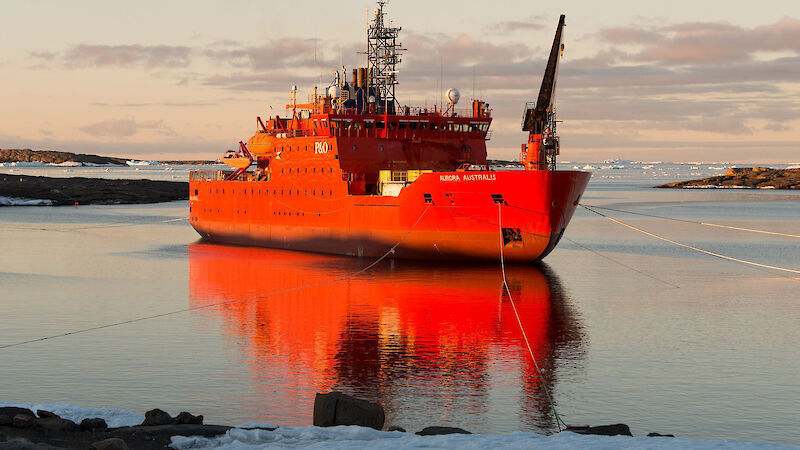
(383,55)
(539,120)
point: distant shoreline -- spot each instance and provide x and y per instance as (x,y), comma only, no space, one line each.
(64,158)
(744,178)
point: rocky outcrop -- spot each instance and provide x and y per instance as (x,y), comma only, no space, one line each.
(434,431)
(745,177)
(336,408)
(618,429)
(84,191)
(53,157)
(156,417)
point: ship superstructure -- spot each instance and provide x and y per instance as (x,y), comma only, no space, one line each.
(353,171)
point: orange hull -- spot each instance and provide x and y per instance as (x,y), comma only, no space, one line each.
(442,215)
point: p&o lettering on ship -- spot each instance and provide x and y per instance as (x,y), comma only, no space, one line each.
(355,171)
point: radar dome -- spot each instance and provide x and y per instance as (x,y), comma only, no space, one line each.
(453,95)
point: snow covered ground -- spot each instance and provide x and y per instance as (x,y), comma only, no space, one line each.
(344,437)
(358,437)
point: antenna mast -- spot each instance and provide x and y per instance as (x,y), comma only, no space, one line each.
(383,55)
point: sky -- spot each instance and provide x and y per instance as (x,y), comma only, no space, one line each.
(652,81)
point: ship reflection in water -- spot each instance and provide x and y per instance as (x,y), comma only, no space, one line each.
(434,344)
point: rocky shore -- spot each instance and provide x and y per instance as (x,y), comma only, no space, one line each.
(53,157)
(85,191)
(745,177)
(346,418)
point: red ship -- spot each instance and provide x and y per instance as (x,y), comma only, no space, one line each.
(355,172)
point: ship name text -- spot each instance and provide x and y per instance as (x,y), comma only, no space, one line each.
(469,177)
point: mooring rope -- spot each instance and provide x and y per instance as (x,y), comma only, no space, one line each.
(620,263)
(209,305)
(559,421)
(700,250)
(708,224)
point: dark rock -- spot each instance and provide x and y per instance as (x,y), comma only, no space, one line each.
(604,430)
(185,418)
(12,411)
(659,435)
(42,414)
(5,421)
(109,444)
(92,424)
(3,437)
(56,424)
(396,428)
(23,421)
(432,431)
(156,417)
(336,408)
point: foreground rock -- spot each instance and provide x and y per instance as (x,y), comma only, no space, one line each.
(84,191)
(336,408)
(749,177)
(618,429)
(435,431)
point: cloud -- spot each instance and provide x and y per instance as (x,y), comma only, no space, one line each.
(122,128)
(135,55)
(45,55)
(144,105)
(530,23)
(705,42)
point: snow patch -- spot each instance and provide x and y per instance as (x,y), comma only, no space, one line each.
(16,201)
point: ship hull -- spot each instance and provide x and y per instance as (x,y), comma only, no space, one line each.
(457,216)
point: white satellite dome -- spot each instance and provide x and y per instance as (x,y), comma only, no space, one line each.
(334,91)
(453,95)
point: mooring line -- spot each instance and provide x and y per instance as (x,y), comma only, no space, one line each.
(209,305)
(559,421)
(729,258)
(709,224)
(620,263)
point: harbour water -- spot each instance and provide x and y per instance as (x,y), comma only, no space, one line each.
(625,327)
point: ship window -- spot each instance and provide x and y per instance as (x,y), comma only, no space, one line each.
(314,192)
(402,125)
(314,169)
(331,170)
(281,191)
(354,147)
(281,169)
(330,192)
(297,192)
(381,148)
(290,192)
(423,125)
(223,190)
(306,169)
(305,192)
(195,192)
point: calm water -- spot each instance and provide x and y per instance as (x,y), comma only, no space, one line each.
(714,357)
